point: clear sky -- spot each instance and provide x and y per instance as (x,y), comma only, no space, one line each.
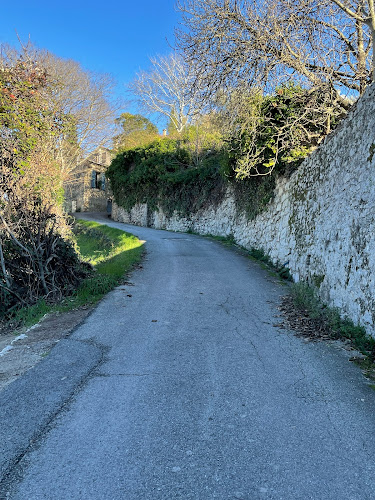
(109,36)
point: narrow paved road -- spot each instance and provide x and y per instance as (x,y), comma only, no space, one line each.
(180,387)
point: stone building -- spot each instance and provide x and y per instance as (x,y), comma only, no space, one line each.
(87,189)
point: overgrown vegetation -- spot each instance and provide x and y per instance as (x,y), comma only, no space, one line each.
(45,125)
(328,320)
(162,174)
(36,256)
(275,132)
(111,253)
(245,144)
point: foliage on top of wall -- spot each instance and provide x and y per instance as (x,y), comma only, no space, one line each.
(192,170)
(166,174)
(276,132)
(161,174)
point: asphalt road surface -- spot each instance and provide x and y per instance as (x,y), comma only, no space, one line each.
(179,386)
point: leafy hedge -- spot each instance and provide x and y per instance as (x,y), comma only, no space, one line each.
(161,174)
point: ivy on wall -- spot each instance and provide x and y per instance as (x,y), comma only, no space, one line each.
(271,137)
(162,174)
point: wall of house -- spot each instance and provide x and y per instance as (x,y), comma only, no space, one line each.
(321,222)
(95,199)
(74,191)
(80,195)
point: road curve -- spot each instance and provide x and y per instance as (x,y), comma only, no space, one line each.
(191,392)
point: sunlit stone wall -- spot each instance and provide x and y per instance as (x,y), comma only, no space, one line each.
(321,222)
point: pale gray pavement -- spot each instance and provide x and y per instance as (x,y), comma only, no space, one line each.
(186,390)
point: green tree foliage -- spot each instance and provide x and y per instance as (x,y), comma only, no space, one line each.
(203,138)
(137,130)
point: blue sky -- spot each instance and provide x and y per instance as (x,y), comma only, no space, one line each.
(110,36)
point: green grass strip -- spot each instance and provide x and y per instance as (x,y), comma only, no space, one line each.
(111,252)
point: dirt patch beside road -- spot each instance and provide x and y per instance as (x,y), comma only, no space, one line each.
(20,352)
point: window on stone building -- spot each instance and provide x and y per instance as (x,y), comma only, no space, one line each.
(98,180)
(94,179)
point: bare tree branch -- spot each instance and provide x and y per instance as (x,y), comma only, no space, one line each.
(167,89)
(264,43)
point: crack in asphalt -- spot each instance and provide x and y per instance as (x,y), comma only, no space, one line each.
(237,329)
(14,472)
(124,374)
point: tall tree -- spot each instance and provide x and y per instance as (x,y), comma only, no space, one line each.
(167,89)
(42,130)
(322,43)
(136,130)
(84,98)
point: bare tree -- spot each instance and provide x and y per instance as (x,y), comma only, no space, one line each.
(79,98)
(84,98)
(363,13)
(319,42)
(246,54)
(167,89)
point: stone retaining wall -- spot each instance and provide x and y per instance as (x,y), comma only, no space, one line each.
(321,222)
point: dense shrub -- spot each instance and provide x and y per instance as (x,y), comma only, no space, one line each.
(162,174)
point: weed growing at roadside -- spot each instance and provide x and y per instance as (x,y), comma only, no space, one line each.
(281,270)
(305,298)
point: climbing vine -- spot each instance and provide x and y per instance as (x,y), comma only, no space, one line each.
(163,174)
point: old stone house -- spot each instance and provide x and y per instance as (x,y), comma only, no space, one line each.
(87,189)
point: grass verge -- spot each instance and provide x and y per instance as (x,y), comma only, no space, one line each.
(111,253)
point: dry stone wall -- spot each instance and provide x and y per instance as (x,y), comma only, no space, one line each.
(320,223)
